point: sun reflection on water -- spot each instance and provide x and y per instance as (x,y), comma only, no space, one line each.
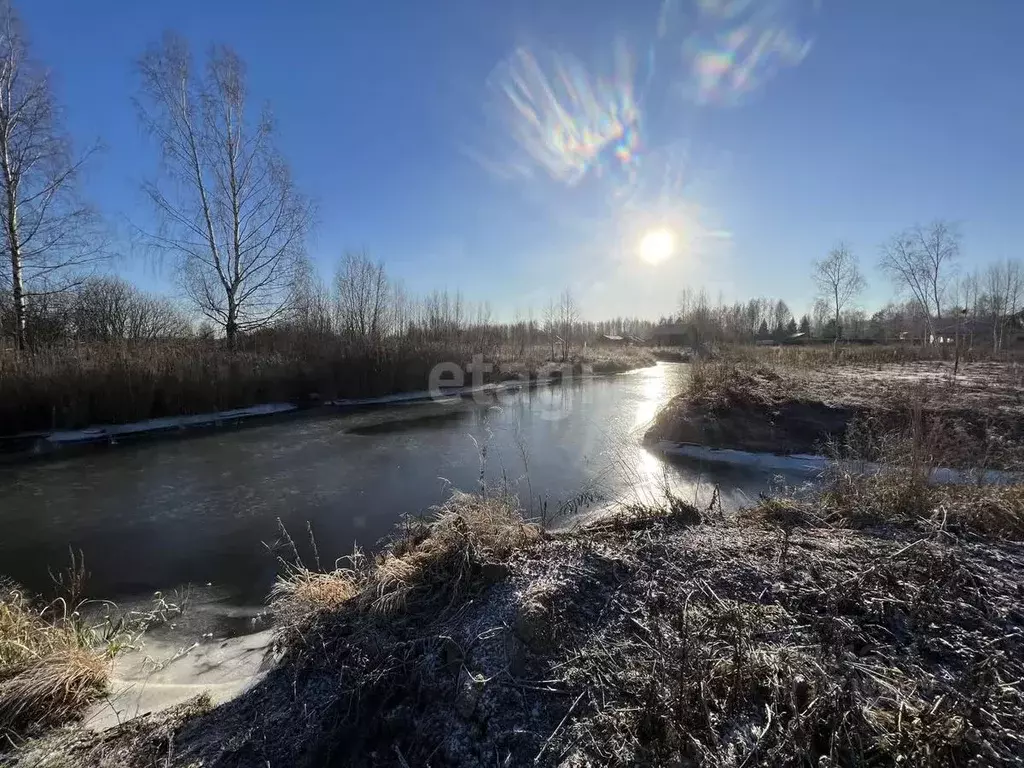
(654,395)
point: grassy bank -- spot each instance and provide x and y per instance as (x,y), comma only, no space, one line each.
(56,654)
(970,419)
(70,387)
(824,355)
(659,636)
(50,668)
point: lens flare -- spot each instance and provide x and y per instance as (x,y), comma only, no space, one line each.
(603,147)
(657,246)
(739,45)
(567,121)
(551,112)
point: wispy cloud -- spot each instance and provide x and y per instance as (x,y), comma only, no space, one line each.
(564,119)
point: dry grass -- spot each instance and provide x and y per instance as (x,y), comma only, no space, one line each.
(431,564)
(929,470)
(49,670)
(654,640)
(894,499)
(716,386)
(146,741)
(819,356)
(617,359)
(900,496)
(720,647)
(75,386)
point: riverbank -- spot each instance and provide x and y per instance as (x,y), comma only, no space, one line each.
(502,379)
(655,635)
(74,388)
(977,415)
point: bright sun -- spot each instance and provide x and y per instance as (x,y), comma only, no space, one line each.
(657,246)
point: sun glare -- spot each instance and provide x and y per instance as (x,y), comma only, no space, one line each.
(657,246)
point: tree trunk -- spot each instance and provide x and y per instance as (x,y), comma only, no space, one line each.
(19,299)
(835,338)
(231,326)
(17,272)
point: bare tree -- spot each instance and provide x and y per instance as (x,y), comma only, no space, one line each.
(568,319)
(443,316)
(49,234)
(112,309)
(780,317)
(551,324)
(820,313)
(230,212)
(1004,283)
(312,314)
(938,247)
(921,261)
(966,296)
(839,281)
(364,300)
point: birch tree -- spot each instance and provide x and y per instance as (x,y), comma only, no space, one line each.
(839,281)
(229,211)
(568,319)
(1004,284)
(49,234)
(922,261)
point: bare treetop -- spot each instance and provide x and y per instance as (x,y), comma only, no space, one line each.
(230,213)
(839,280)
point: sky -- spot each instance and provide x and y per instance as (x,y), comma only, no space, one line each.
(515,149)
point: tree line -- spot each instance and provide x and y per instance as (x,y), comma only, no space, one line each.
(934,299)
(231,221)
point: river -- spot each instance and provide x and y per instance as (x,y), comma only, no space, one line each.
(201,511)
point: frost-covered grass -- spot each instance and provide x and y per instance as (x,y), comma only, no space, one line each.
(824,355)
(50,670)
(433,560)
(660,635)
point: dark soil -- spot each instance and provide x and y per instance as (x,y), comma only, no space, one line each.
(791,426)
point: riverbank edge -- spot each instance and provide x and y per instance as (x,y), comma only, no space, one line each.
(479,635)
(748,409)
(730,410)
(30,446)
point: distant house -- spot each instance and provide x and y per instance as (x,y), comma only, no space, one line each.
(612,341)
(671,335)
(794,339)
(981,331)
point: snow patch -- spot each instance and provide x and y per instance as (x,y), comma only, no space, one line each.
(110,431)
(811,464)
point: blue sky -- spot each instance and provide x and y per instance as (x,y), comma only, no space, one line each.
(759,133)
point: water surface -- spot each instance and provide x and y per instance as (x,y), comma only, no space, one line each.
(200,511)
